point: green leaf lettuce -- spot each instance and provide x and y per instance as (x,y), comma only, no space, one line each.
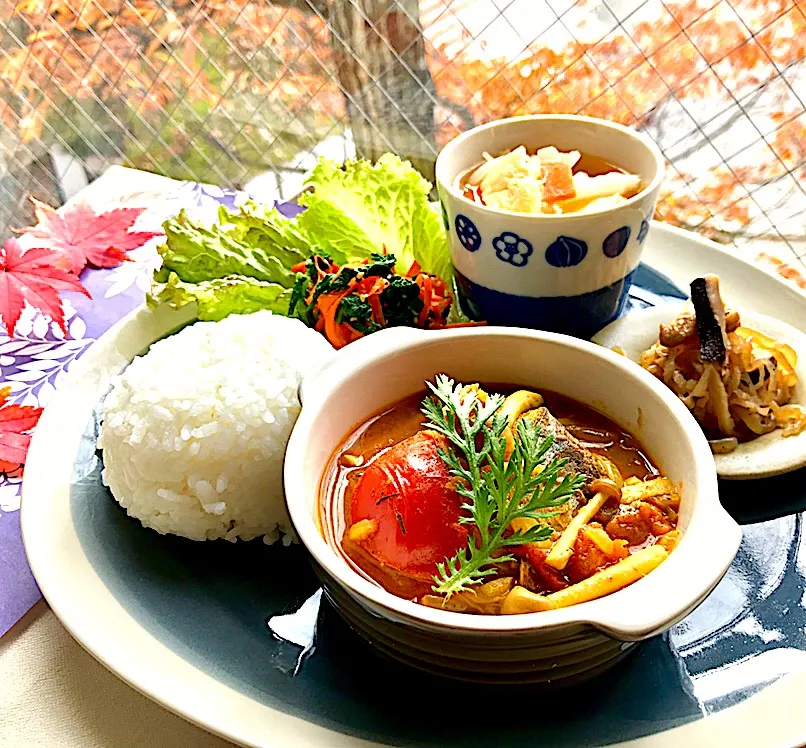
(364,208)
(240,264)
(216,299)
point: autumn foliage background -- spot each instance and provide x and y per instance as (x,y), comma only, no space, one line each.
(226,90)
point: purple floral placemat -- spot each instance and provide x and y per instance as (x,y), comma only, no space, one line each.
(36,359)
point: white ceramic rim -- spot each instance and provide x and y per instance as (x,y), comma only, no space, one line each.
(710,541)
(448,183)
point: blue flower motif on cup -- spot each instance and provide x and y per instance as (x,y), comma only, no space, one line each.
(616,242)
(565,252)
(511,248)
(469,236)
(642,232)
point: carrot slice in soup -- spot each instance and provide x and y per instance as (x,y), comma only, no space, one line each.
(559,182)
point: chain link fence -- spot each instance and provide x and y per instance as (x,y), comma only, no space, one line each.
(248,93)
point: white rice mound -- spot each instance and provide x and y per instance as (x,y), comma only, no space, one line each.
(194,432)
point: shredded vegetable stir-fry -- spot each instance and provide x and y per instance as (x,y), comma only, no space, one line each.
(349,301)
(737,382)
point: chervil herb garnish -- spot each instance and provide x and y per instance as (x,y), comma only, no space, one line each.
(497,490)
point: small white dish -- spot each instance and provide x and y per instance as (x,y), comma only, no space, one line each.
(768,455)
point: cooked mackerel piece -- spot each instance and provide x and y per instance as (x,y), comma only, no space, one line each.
(580,460)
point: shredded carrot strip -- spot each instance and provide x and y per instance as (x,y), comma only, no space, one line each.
(377,309)
(350,333)
(328,304)
(440,304)
(371,285)
(466,324)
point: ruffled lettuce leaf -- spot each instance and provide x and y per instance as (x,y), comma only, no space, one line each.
(241,263)
(363,208)
(264,228)
(216,299)
(262,248)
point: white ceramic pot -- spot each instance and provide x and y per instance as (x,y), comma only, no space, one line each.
(566,273)
(559,645)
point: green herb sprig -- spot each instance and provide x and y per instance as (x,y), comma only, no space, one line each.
(497,491)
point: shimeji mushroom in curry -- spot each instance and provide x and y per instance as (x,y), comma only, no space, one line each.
(497,503)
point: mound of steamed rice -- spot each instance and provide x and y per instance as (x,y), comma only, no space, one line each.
(194,432)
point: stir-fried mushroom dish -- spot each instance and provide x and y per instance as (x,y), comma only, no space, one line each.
(497,504)
(737,382)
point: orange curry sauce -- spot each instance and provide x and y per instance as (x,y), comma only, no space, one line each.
(426,534)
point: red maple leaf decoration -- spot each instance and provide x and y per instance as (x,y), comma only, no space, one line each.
(35,276)
(16,422)
(83,236)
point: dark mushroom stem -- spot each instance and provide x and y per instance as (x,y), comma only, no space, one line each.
(710,312)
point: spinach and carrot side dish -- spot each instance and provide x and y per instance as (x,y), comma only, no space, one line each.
(367,252)
(349,301)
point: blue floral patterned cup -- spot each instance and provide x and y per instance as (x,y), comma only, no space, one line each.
(566,273)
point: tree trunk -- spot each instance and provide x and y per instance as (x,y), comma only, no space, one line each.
(389,92)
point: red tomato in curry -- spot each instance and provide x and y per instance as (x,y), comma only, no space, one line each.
(407,491)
